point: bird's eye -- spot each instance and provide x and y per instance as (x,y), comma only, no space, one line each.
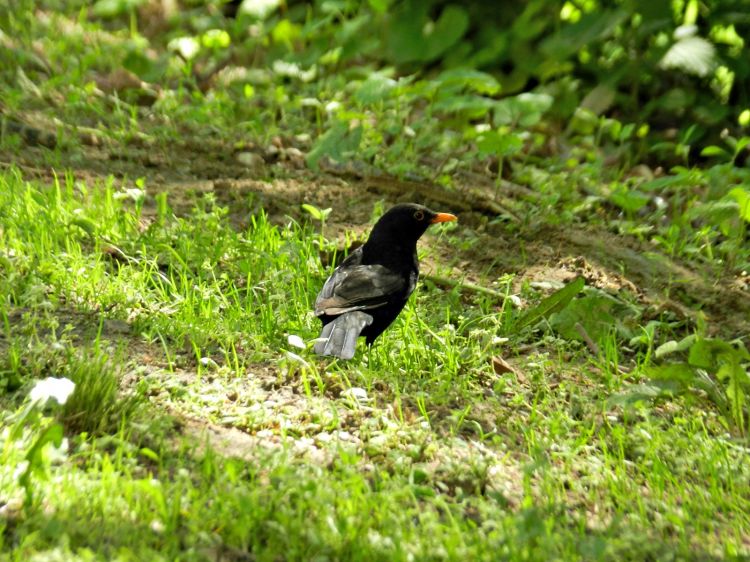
(419,215)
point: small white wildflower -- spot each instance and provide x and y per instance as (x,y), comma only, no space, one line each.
(21,467)
(297,358)
(295,341)
(356,393)
(208,362)
(260,9)
(51,387)
(332,106)
(58,455)
(157,526)
(188,47)
(131,193)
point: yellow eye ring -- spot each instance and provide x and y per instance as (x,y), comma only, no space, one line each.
(419,215)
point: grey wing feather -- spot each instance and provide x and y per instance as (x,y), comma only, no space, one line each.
(339,337)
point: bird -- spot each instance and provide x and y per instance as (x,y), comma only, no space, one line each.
(368,290)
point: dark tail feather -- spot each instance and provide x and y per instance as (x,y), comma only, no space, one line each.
(339,337)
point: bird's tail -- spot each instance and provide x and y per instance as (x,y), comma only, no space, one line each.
(339,337)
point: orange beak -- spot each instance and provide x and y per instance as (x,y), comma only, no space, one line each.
(443,217)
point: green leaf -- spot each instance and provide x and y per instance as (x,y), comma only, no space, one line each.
(742,196)
(449,28)
(376,88)
(643,392)
(497,144)
(661,183)
(286,32)
(710,353)
(149,454)
(412,37)
(88,226)
(593,26)
(216,39)
(473,107)
(598,313)
(715,151)
(480,82)
(692,55)
(114,8)
(316,213)
(379,6)
(553,303)
(681,373)
(524,109)
(335,143)
(673,346)
(52,434)
(599,100)
(629,200)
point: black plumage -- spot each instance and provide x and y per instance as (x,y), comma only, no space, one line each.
(369,289)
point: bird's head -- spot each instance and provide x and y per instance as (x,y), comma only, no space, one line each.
(407,222)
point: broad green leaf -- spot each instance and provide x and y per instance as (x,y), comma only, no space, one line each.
(449,28)
(524,109)
(480,82)
(742,196)
(673,346)
(286,32)
(88,226)
(692,55)
(599,100)
(493,143)
(216,39)
(661,183)
(380,6)
(412,37)
(677,372)
(335,143)
(316,213)
(591,27)
(705,353)
(644,392)
(472,106)
(716,212)
(629,200)
(553,303)
(741,144)
(114,8)
(376,88)
(715,151)
(598,313)
(52,434)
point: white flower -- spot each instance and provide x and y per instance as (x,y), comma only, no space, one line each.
(357,394)
(188,47)
(295,341)
(51,387)
(260,9)
(296,358)
(133,193)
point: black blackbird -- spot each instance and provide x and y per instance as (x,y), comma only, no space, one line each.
(377,277)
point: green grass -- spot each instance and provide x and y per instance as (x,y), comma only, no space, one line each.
(446,460)
(198,432)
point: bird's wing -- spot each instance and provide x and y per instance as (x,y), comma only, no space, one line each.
(357,287)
